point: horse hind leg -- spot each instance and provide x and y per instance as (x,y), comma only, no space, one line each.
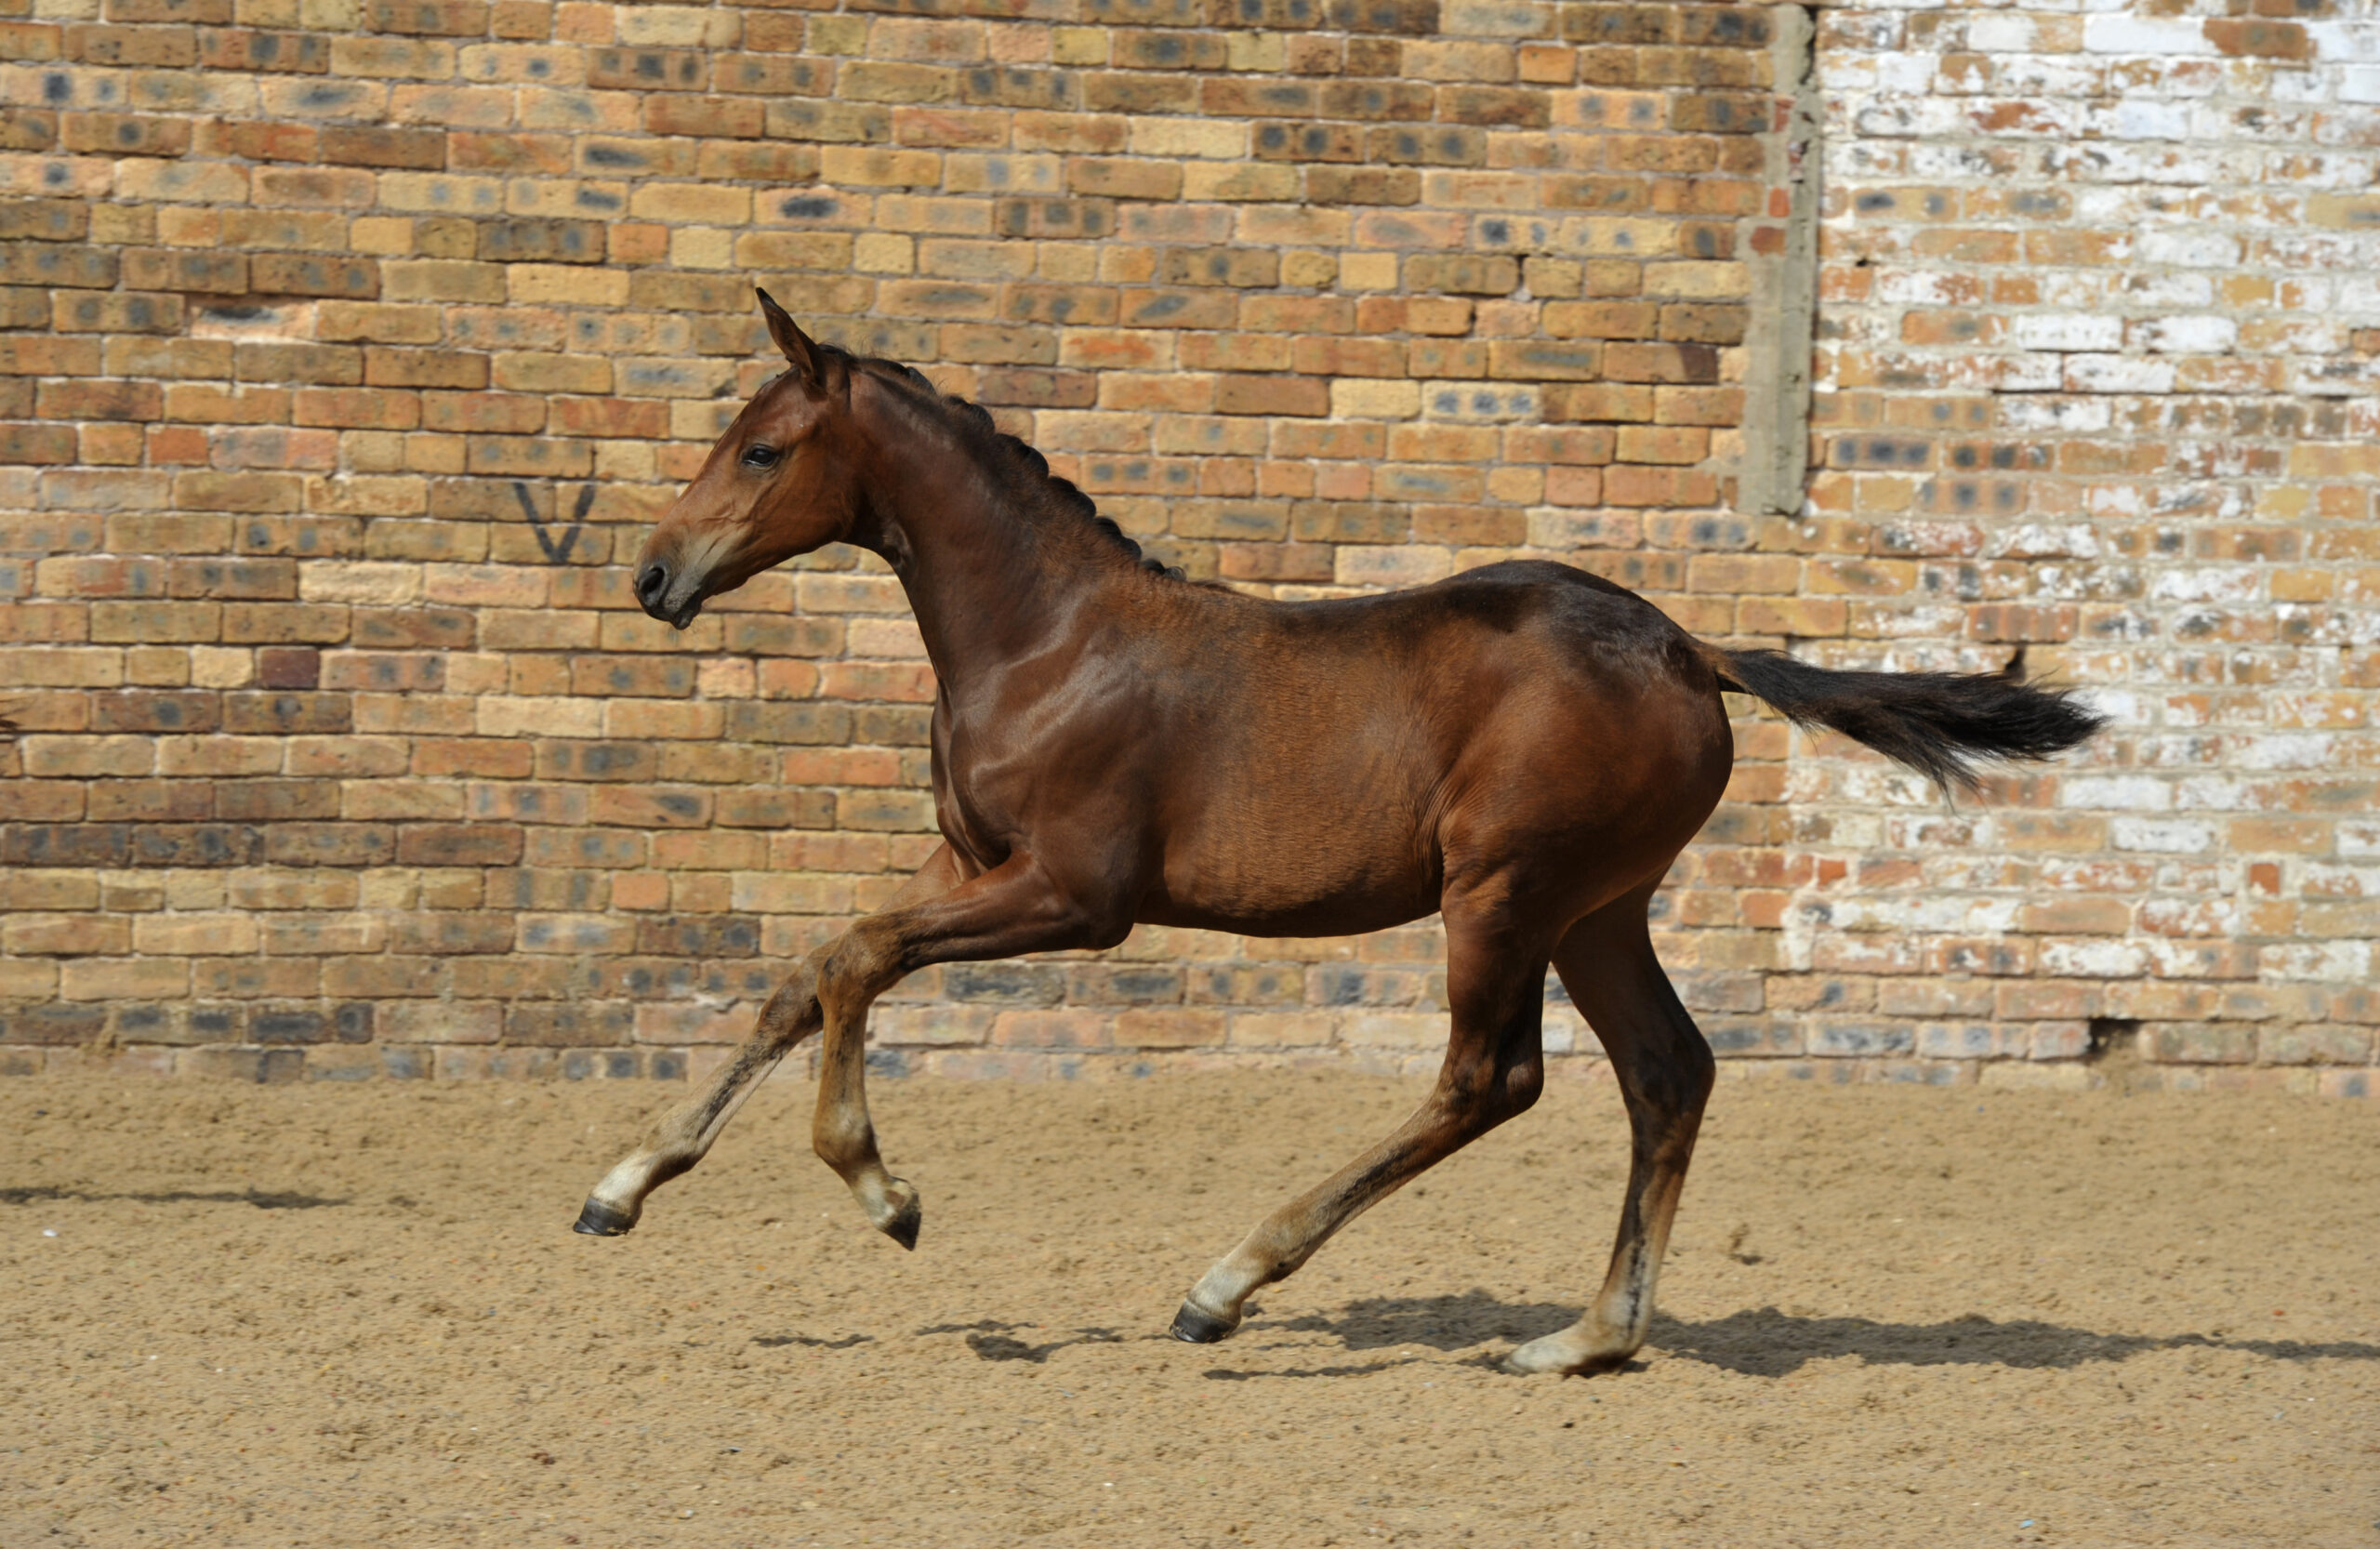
(1665,1073)
(1494,1069)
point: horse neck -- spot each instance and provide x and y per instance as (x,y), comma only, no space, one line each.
(990,581)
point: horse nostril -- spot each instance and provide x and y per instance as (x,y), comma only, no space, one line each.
(651,583)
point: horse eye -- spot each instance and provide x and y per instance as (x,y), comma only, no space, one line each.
(759,456)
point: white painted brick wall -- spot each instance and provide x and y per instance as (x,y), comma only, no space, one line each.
(2123,402)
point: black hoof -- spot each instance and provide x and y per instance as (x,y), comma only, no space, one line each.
(597,1219)
(1195,1326)
(903,1228)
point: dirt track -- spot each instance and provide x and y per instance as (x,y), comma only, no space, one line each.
(341,1316)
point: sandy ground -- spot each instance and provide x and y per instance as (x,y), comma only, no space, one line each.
(356,1316)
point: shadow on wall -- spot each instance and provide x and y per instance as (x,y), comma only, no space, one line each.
(1771,1343)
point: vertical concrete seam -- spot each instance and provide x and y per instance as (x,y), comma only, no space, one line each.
(1784,295)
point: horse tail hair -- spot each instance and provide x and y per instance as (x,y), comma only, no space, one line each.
(1939,723)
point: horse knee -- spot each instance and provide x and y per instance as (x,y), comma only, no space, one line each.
(853,968)
(1479,1099)
(792,1013)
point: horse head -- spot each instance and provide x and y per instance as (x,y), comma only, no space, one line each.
(781,482)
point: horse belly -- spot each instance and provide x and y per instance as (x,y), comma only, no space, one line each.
(1268,870)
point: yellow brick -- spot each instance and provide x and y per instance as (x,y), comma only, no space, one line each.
(561,198)
(196,182)
(1293,226)
(1068,262)
(1516,486)
(872,167)
(504,716)
(1264,53)
(925,40)
(1189,136)
(366,582)
(440,193)
(2301,585)
(421,59)
(1244,180)
(701,247)
(1608,236)
(124,979)
(1368,272)
(837,35)
(381,234)
(975,260)
(1391,565)
(2350,211)
(692,202)
(1314,270)
(1078,46)
(884,252)
(1492,62)
(627,462)
(221,666)
(1689,281)
(931,215)
(2334,460)
(1369,398)
(194,934)
(1018,172)
(674,27)
(567,285)
(1552,279)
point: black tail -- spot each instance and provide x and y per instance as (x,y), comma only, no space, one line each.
(1939,724)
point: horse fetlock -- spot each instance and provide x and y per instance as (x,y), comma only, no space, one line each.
(1577,1351)
(617,1199)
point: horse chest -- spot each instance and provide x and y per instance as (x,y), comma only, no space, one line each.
(983,805)
(1004,773)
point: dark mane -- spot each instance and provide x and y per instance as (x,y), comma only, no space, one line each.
(975,422)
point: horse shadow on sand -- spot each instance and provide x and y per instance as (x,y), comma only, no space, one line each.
(1764,1342)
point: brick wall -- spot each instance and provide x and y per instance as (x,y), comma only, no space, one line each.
(352,345)
(2100,340)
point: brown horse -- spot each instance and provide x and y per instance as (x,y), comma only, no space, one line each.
(1522,749)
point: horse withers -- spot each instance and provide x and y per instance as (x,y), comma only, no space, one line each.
(1522,749)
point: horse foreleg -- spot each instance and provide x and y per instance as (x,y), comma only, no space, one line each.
(1665,1074)
(1494,1068)
(1014,907)
(683,1136)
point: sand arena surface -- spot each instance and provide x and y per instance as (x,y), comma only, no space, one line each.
(356,1316)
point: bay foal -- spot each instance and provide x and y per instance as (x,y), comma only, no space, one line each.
(1522,749)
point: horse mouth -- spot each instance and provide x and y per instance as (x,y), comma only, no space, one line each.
(686,612)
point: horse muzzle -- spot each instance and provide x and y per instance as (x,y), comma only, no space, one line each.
(671,598)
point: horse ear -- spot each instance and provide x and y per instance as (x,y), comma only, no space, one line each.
(792,341)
